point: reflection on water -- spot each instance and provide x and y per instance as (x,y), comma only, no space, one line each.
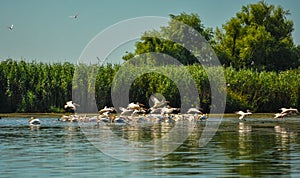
(253,148)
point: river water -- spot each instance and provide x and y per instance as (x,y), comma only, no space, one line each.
(257,147)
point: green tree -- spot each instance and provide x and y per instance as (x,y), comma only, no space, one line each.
(155,41)
(259,36)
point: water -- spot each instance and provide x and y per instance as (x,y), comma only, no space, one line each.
(257,147)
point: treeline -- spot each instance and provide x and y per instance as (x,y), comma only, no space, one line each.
(258,37)
(40,87)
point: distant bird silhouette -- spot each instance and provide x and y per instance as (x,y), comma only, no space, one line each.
(11,27)
(243,114)
(73,16)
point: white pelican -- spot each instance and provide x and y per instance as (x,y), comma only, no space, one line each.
(34,122)
(280,115)
(194,111)
(134,106)
(243,114)
(157,103)
(289,111)
(168,110)
(71,105)
(107,109)
(126,111)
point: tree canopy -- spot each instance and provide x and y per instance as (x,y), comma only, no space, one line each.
(151,41)
(259,36)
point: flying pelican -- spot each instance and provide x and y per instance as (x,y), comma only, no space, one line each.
(157,103)
(34,122)
(71,105)
(11,27)
(107,109)
(289,111)
(194,111)
(73,16)
(280,115)
(243,114)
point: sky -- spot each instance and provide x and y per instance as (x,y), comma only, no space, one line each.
(44,32)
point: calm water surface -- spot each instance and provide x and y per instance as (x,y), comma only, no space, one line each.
(257,147)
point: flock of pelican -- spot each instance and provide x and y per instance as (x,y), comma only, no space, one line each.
(136,112)
(160,111)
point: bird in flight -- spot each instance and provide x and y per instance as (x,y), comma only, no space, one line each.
(71,105)
(73,16)
(11,27)
(243,114)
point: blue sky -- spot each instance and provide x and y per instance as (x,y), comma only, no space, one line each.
(44,32)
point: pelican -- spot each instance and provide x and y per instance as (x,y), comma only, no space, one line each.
(34,122)
(107,109)
(73,16)
(194,111)
(289,111)
(157,103)
(126,111)
(134,106)
(243,114)
(71,105)
(280,115)
(11,27)
(168,110)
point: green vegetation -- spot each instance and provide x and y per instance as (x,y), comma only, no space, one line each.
(34,87)
(39,87)
(259,58)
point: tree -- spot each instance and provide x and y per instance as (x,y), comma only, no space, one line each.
(259,36)
(151,41)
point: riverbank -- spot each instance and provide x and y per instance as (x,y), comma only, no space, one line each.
(38,115)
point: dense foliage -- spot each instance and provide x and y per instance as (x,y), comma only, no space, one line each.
(258,37)
(34,87)
(40,87)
